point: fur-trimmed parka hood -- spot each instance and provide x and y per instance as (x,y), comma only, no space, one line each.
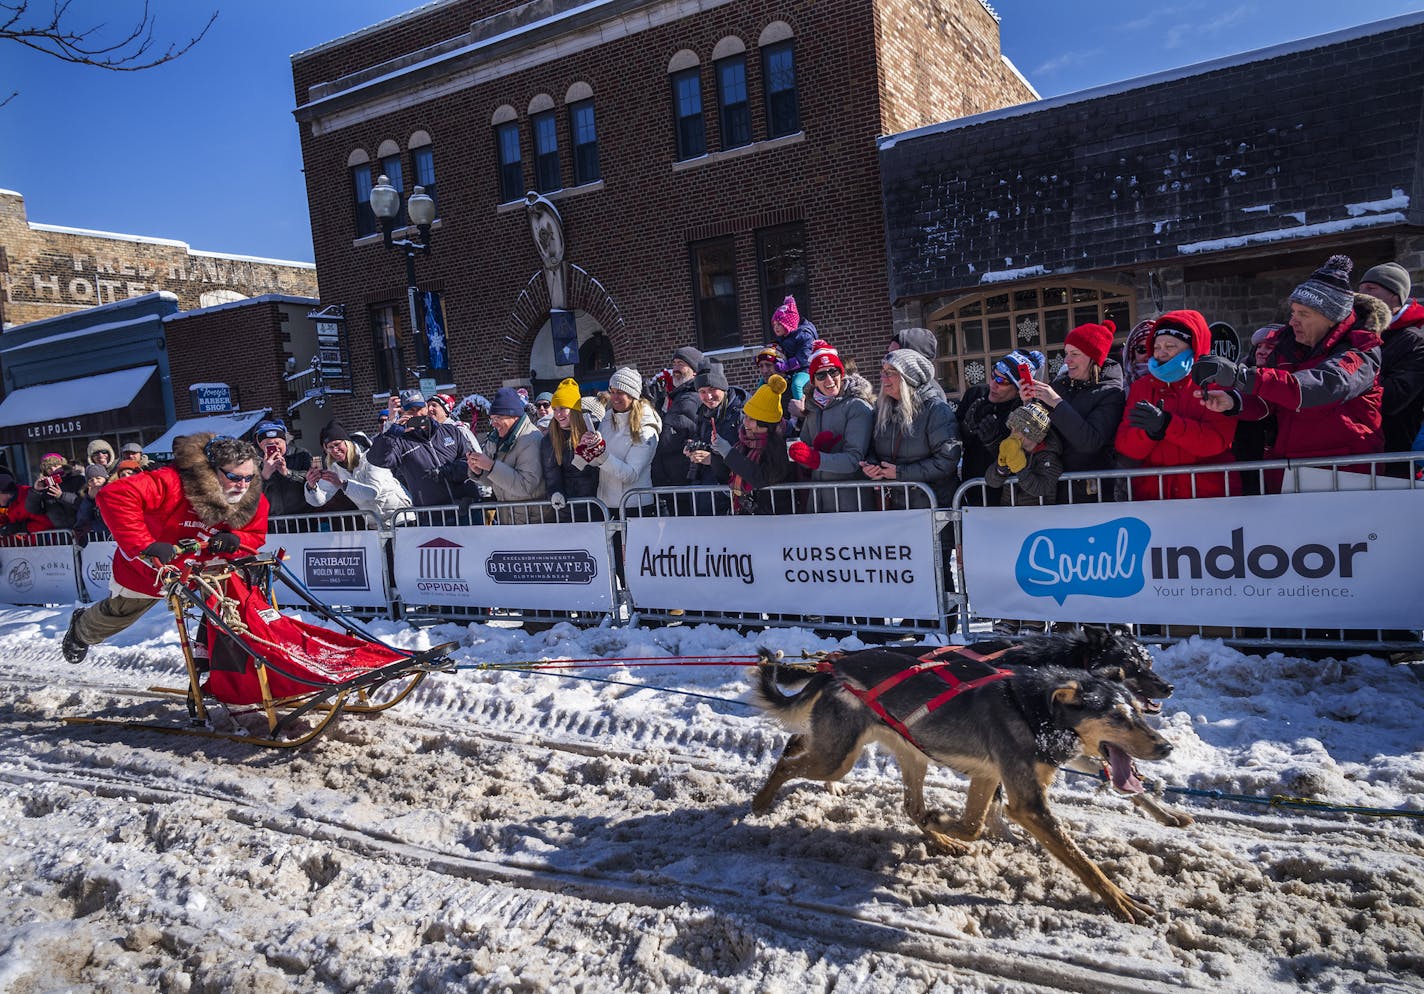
(1371,313)
(201,487)
(857,387)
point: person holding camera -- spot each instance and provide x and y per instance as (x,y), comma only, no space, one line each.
(15,520)
(56,494)
(430,458)
(284,468)
(207,498)
(566,474)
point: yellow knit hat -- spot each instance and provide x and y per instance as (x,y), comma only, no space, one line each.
(765,405)
(567,395)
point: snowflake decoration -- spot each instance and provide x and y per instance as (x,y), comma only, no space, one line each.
(974,373)
(1028,331)
(1055,362)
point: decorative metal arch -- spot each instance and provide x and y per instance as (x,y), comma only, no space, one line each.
(531,309)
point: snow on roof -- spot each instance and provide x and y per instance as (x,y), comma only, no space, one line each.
(1166,76)
(234,425)
(128,303)
(93,329)
(171,242)
(71,398)
(266,298)
(368,29)
(455,53)
(1287,234)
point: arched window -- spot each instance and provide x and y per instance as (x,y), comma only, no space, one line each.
(734,112)
(778,74)
(545,130)
(358,165)
(975,330)
(685,75)
(583,133)
(505,122)
(422,165)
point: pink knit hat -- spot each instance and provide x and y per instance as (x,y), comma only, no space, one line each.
(787,316)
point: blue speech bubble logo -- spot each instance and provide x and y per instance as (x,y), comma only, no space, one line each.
(1102,561)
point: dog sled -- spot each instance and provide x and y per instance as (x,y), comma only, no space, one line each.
(259,676)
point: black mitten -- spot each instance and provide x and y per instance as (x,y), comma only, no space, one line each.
(224,543)
(1150,418)
(161,551)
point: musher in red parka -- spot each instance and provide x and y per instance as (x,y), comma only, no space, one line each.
(207,494)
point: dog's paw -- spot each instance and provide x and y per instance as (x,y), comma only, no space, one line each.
(1128,908)
(946,845)
(835,788)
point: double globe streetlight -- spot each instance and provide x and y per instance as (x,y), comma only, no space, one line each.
(420,209)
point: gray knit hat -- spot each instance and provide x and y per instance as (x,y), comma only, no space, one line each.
(594,407)
(1392,276)
(627,379)
(913,368)
(1328,289)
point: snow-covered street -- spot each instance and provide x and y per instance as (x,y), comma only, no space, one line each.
(510,831)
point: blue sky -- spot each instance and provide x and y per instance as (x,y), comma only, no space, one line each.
(205,149)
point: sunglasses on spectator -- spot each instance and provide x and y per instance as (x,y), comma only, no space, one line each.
(828,374)
(1003,381)
(238,477)
(1140,350)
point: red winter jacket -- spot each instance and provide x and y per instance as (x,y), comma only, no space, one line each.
(1326,399)
(171,504)
(15,513)
(1195,435)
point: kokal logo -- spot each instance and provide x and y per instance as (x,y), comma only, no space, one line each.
(440,568)
(553,566)
(1114,560)
(1104,560)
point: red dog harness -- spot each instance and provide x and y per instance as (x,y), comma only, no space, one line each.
(938,678)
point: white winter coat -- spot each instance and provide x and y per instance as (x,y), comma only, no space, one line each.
(370,487)
(627,460)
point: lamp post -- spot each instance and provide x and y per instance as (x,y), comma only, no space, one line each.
(385,204)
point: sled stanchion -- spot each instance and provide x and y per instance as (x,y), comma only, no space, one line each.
(262,662)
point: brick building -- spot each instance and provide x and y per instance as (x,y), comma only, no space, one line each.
(1219,187)
(48,270)
(697,161)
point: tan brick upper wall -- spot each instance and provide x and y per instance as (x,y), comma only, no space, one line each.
(939,60)
(49,272)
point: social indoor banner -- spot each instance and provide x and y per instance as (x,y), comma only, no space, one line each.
(546,567)
(342,568)
(38,574)
(1318,560)
(879,565)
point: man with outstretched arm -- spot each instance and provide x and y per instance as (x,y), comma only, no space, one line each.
(207,495)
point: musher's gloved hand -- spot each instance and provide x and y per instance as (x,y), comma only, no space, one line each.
(223,543)
(161,551)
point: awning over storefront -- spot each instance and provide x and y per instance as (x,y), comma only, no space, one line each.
(102,404)
(234,425)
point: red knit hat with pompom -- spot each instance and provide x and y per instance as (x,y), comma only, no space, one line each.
(1093,340)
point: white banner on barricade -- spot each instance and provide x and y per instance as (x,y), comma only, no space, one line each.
(347,568)
(96,568)
(550,567)
(878,564)
(1317,560)
(38,574)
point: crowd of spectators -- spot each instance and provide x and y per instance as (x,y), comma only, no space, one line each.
(1342,375)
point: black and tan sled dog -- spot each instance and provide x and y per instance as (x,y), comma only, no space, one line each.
(975,712)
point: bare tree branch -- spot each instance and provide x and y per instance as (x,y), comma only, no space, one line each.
(58,36)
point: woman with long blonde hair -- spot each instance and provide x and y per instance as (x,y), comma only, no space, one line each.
(567,476)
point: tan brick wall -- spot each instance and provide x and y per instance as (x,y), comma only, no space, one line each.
(46,273)
(939,60)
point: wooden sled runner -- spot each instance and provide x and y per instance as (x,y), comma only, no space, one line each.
(286,680)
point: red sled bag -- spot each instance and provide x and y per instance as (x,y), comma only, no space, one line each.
(301,658)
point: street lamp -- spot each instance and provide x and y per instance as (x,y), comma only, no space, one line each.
(385,204)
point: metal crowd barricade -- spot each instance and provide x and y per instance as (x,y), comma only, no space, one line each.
(532,564)
(39,568)
(343,558)
(790,597)
(1322,474)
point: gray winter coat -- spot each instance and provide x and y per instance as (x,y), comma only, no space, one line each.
(517,473)
(927,452)
(851,417)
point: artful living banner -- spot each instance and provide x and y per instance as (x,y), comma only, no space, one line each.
(878,565)
(1318,560)
(548,567)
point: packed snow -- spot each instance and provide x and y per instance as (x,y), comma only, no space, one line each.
(503,830)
